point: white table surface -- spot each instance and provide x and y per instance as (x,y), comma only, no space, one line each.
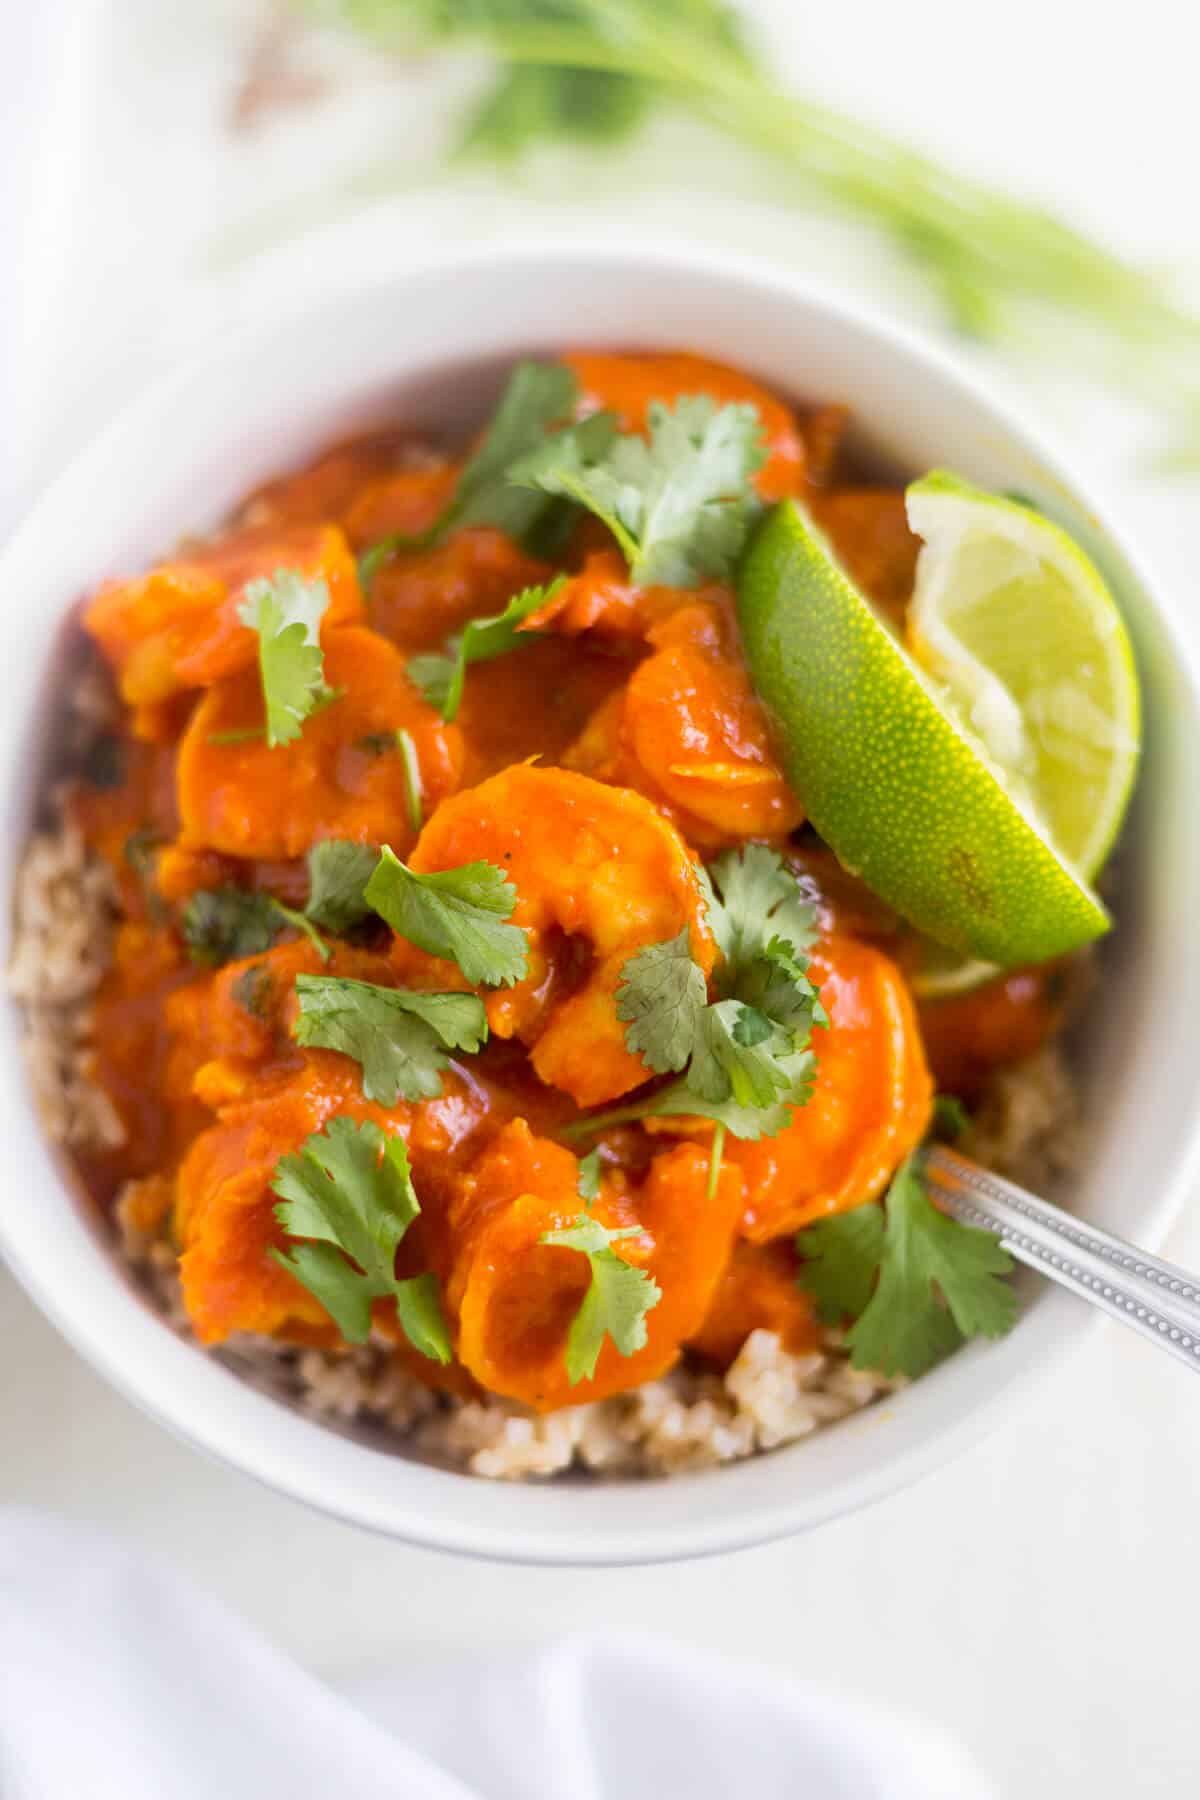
(1039,1595)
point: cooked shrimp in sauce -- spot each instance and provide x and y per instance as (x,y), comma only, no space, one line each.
(479,985)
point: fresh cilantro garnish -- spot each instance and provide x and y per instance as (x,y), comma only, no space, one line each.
(349,1189)
(225,924)
(589,1177)
(286,612)
(754,899)
(536,397)
(412,779)
(617,1300)
(915,1281)
(400,1037)
(458,914)
(840,1260)
(338,873)
(139,850)
(744,1053)
(662,1002)
(681,504)
(252,990)
(951,1120)
(440,675)
(222,925)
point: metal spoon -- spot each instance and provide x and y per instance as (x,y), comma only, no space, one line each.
(1159,1301)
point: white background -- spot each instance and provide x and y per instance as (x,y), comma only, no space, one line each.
(1040,1596)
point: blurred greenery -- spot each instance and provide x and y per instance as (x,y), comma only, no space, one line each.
(593,72)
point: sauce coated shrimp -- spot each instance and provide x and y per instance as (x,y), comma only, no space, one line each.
(342,777)
(870,1103)
(596,869)
(514,1297)
(688,731)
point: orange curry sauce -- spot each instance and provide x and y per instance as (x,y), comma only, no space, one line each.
(593,765)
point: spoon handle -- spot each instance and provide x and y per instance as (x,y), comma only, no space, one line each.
(1151,1296)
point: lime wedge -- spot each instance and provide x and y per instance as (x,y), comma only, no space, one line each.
(904,773)
(1018,624)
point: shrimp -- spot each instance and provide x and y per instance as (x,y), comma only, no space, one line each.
(757,1292)
(688,732)
(596,869)
(869,1107)
(513,1297)
(179,627)
(225,1204)
(342,777)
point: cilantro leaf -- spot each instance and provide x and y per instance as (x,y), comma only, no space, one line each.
(754,899)
(679,505)
(739,1054)
(679,1099)
(589,1177)
(456,913)
(440,675)
(399,1037)
(348,1193)
(536,397)
(661,998)
(224,924)
(252,990)
(745,1054)
(951,1120)
(839,1260)
(338,873)
(286,612)
(617,1300)
(938,1281)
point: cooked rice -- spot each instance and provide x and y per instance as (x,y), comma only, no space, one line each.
(690,1419)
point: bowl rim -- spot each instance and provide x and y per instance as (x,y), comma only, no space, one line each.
(282,1448)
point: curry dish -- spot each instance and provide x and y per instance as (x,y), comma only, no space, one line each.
(478,989)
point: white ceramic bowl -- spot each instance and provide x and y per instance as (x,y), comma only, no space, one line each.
(261,401)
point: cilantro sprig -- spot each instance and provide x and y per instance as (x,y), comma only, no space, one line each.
(400,1037)
(459,914)
(744,1052)
(441,674)
(285,612)
(225,924)
(617,1300)
(537,397)
(915,1282)
(338,873)
(347,1196)
(680,503)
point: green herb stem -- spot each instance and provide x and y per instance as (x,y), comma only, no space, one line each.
(412,779)
(714,1161)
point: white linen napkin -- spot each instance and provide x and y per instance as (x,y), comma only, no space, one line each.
(121,1681)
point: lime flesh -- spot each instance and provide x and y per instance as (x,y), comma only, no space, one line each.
(907,793)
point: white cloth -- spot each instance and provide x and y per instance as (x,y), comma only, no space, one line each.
(120,1681)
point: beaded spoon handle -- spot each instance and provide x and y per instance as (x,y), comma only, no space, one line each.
(1154,1298)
